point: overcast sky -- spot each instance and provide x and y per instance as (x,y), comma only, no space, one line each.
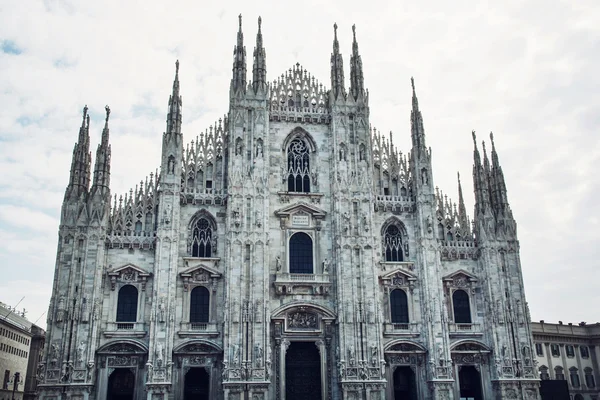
(526,70)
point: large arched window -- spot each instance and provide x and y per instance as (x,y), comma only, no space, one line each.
(202,238)
(298,164)
(301,254)
(462,308)
(393,244)
(399,306)
(127,304)
(199,304)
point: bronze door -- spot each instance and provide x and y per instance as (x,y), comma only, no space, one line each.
(121,384)
(196,386)
(302,372)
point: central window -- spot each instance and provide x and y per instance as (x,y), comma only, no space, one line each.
(199,304)
(301,254)
(298,164)
(201,239)
(393,244)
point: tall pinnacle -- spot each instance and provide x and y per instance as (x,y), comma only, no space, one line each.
(238,81)
(79,180)
(259,68)
(416,119)
(462,211)
(102,168)
(357,84)
(497,176)
(337,69)
(175,103)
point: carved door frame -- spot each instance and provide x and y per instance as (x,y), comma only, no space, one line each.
(406,354)
(198,354)
(303,323)
(127,354)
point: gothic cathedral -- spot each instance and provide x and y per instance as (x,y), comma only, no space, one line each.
(289,252)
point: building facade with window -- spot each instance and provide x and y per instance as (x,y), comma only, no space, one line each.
(288,252)
(15,341)
(569,352)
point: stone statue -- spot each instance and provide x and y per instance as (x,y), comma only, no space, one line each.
(80,351)
(160,350)
(326,266)
(278,263)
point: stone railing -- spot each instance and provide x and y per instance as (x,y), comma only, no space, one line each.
(286,283)
(457,329)
(129,329)
(401,329)
(199,329)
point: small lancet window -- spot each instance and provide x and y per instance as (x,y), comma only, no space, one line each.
(393,244)
(202,239)
(298,163)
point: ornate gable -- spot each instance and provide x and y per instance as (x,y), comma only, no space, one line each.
(199,274)
(300,215)
(460,279)
(128,273)
(398,278)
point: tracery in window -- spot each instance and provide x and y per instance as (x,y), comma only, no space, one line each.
(461,306)
(392,242)
(202,238)
(127,304)
(298,164)
(301,254)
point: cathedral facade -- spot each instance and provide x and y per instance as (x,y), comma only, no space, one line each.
(288,252)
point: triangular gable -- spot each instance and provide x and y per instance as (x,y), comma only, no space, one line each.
(212,273)
(457,275)
(398,277)
(301,207)
(118,271)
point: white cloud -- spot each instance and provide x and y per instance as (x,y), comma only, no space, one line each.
(529,76)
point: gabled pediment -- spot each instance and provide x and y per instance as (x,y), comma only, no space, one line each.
(398,278)
(128,273)
(460,279)
(200,274)
(301,208)
(300,215)
(460,275)
(128,268)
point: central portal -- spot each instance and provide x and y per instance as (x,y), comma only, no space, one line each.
(302,372)
(196,384)
(121,384)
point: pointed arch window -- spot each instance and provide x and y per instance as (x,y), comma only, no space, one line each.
(399,306)
(301,254)
(393,244)
(127,304)
(199,304)
(461,306)
(298,164)
(202,239)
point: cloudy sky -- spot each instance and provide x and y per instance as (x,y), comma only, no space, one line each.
(525,69)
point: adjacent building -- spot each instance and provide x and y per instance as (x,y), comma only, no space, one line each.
(289,252)
(569,352)
(21,343)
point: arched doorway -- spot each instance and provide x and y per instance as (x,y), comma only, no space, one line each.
(121,384)
(405,386)
(196,384)
(470,383)
(302,372)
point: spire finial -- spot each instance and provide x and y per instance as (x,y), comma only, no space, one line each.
(107,108)
(412,83)
(458,175)
(85,110)
(474,138)
(492,138)
(259,23)
(240,18)
(354,31)
(177,67)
